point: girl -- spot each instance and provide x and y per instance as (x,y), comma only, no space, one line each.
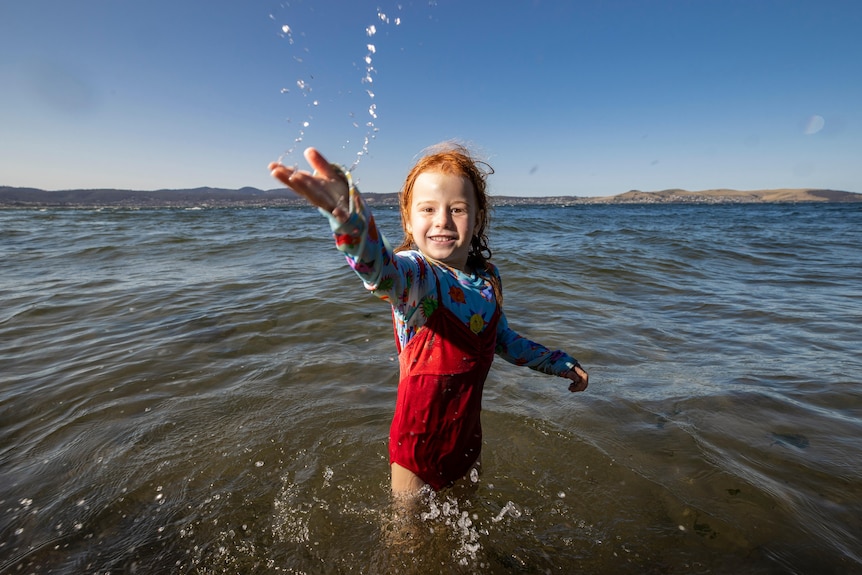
(446,299)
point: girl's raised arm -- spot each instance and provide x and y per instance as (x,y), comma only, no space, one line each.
(326,188)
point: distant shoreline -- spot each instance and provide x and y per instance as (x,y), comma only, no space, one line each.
(29,198)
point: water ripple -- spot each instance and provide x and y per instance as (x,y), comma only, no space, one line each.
(210,391)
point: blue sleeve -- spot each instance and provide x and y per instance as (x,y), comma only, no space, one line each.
(519,350)
(403,280)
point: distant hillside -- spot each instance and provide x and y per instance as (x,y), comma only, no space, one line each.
(251,197)
(31,197)
(731,196)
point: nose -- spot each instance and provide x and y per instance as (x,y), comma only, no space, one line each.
(442,218)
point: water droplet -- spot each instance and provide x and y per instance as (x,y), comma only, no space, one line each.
(508,508)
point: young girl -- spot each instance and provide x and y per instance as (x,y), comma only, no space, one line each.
(446,299)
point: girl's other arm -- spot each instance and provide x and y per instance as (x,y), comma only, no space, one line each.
(519,350)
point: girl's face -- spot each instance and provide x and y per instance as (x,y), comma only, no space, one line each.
(443,217)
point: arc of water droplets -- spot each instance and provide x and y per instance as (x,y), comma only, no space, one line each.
(368,80)
(304,87)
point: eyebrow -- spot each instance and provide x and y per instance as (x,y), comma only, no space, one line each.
(435,202)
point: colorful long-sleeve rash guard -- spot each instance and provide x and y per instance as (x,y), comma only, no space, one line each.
(406,280)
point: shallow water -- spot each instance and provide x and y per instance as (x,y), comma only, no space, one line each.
(210,391)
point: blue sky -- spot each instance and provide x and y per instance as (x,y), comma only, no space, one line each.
(585,98)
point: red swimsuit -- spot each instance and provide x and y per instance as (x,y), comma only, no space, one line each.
(436,432)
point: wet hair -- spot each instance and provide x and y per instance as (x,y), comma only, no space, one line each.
(453,159)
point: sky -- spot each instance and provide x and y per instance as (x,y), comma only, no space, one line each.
(562,97)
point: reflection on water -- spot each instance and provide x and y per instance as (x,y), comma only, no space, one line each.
(210,392)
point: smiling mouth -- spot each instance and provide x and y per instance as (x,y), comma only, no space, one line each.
(441,239)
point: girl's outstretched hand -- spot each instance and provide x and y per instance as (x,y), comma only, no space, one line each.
(326,188)
(580,379)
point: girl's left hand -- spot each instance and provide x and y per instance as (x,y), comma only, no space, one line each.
(580,379)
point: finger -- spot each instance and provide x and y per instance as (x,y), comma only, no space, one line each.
(576,386)
(281,173)
(320,164)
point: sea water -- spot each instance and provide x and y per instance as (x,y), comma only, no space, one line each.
(210,391)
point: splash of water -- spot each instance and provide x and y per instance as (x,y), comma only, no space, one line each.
(509,509)
(304,86)
(462,527)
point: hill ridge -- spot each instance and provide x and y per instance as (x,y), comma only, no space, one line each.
(248,196)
